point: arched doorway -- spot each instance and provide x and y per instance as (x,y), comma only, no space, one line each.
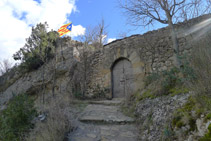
(122,78)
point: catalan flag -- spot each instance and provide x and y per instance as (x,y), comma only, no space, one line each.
(65,29)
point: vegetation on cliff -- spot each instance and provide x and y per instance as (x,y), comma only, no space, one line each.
(16,120)
(38,49)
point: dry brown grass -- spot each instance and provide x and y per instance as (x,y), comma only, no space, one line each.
(201,62)
(57,123)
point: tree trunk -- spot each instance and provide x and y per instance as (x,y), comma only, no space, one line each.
(54,72)
(43,85)
(54,81)
(85,71)
(176,60)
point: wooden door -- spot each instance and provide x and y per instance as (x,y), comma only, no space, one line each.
(122,78)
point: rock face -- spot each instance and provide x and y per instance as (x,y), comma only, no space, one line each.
(155,114)
(31,82)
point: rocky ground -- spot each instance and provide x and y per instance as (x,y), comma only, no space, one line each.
(103,121)
(154,116)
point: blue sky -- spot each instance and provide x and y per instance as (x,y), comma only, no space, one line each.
(19,15)
(92,11)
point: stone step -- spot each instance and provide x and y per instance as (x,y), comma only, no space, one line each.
(95,113)
(89,132)
(114,101)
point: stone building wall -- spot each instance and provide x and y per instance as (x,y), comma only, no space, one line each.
(149,52)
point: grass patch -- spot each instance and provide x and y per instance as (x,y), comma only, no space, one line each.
(183,116)
(128,110)
(147,94)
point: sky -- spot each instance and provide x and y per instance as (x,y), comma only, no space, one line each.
(18,17)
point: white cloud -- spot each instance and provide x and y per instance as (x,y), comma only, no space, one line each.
(77,31)
(17,16)
(111,39)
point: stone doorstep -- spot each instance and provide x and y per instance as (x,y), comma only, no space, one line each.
(87,119)
(108,102)
(104,114)
(114,101)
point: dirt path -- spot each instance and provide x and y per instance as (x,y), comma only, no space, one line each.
(103,121)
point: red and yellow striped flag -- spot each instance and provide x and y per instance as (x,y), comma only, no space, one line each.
(65,29)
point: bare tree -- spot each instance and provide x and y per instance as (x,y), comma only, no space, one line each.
(101,32)
(93,40)
(5,66)
(82,67)
(147,12)
(97,35)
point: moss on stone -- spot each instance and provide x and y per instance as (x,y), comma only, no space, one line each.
(189,106)
(184,117)
(207,136)
(147,94)
(176,91)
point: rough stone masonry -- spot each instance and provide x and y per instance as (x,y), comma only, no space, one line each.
(123,63)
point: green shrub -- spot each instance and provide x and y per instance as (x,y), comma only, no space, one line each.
(15,121)
(171,79)
(187,70)
(179,124)
(192,123)
(151,78)
(176,119)
(208,116)
(38,49)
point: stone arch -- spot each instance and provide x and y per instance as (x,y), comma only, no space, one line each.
(122,78)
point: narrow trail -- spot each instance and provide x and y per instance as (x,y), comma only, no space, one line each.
(103,121)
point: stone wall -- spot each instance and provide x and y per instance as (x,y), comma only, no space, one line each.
(149,52)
